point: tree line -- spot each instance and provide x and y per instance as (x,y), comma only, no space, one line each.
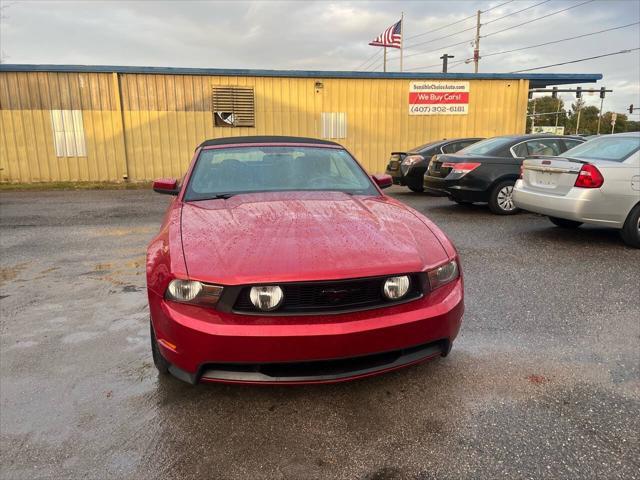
(568,117)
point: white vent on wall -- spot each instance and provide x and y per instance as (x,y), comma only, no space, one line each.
(333,124)
(68,133)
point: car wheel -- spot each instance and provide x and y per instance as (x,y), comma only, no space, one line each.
(158,360)
(416,189)
(501,199)
(564,223)
(631,230)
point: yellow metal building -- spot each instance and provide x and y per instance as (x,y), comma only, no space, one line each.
(79,123)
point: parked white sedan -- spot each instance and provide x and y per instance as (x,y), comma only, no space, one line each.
(597,182)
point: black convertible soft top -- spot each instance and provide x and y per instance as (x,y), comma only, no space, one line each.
(265,139)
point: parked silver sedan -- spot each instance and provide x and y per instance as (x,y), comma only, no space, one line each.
(597,182)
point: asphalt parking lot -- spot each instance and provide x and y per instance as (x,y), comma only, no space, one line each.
(544,381)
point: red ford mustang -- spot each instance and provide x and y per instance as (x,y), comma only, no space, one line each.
(281,261)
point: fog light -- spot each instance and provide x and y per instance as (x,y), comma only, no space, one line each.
(183,290)
(396,287)
(266,298)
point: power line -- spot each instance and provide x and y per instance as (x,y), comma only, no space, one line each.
(513,13)
(367,60)
(457,21)
(439,48)
(424,67)
(558,41)
(491,21)
(536,19)
(440,38)
(578,60)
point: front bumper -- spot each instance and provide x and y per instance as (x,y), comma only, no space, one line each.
(396,175)
(207,345)
(579,204)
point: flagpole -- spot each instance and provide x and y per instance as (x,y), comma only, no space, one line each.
(385,59)
(401,37)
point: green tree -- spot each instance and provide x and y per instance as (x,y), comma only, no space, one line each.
(589,120)
(545,105)
(633,126)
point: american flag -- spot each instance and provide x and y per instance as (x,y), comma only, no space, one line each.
(391,37)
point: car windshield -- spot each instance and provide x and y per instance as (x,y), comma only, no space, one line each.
(616,149)
(487,146)
(224,172)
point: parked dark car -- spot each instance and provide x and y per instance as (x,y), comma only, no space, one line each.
(487,171)
(407,168)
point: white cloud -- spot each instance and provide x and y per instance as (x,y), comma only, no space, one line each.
(321,35)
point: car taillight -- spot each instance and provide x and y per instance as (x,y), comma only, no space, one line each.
(410,160)
(461,168)
(589,177)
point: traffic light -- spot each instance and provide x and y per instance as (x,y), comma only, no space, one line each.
(631,108)
(578,92)
(554,94)
(601,92)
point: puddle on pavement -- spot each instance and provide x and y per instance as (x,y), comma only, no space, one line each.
(11,273)
(122,232)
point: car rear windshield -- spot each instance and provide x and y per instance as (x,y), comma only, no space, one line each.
(616,149)
(233,170)
(487,146)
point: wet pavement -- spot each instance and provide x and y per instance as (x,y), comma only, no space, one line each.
(543,382)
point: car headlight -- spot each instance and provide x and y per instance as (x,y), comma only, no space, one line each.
(191,291)
(396,287)
(266,298)
(444,274)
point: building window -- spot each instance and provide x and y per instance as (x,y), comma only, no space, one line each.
(68,133)
(333,124)
(233,106)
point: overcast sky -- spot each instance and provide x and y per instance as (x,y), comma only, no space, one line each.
(318,35)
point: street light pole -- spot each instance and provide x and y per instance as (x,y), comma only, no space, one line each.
(476,49)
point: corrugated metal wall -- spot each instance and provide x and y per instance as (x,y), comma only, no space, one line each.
(164,117)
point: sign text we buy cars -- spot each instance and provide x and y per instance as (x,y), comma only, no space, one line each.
(438,98)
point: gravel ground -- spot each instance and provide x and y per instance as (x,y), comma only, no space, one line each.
(543,381)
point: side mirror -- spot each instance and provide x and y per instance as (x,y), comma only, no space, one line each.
(168,186)
(383,181)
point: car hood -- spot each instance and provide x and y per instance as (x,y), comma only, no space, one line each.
(302,236)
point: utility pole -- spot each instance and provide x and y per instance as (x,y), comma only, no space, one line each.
(476,49)
(445,57)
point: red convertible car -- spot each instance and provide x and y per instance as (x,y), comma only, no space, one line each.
(281,261)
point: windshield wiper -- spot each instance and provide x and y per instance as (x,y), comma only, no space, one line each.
(223,195)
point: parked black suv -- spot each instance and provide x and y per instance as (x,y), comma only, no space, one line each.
(407,168)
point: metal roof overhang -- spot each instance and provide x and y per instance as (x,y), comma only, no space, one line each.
(536,80)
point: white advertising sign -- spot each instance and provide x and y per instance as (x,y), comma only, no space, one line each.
(438,97)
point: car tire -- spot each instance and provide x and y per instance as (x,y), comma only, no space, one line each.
(159,361)
(416,189)
(501,198)
(564,223)
(630,232)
